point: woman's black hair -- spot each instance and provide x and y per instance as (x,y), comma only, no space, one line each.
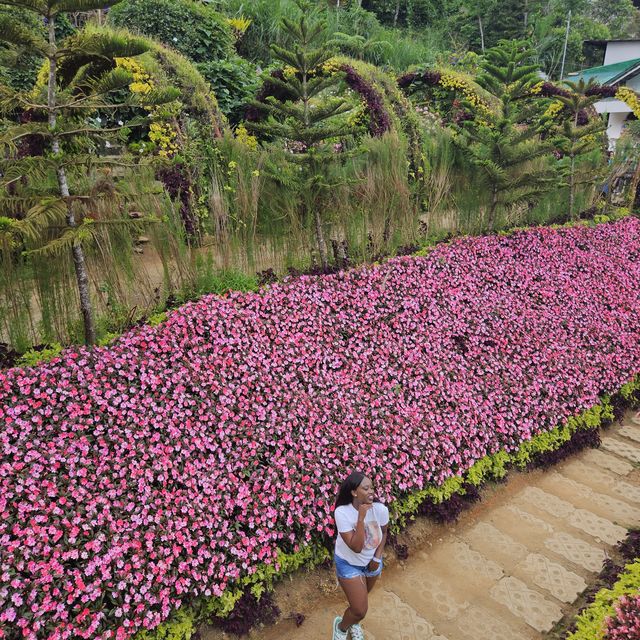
(349,484)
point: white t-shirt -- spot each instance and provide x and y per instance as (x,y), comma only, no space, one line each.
(346,518)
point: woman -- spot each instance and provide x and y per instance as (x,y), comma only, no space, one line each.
(362,533)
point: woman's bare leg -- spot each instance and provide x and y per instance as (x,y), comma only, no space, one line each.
(370,582)
(356,591)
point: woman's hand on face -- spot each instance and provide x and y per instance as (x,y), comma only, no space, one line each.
(362,511)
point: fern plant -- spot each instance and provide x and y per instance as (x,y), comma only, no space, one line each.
(40,192)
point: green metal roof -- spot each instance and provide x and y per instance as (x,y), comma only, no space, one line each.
(608,74)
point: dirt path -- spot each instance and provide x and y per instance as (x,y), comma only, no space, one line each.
(508,570)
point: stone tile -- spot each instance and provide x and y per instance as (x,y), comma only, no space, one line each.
(519,523)
(607,504)
(630,431)
(622,448)
(490,541)
(602,480)
(600,528)
(479,624)
(577,551)
(529,518)
(471,562)
(545,502)
(422,589)
(391,617)
(588,473)
(560,582)
(627,491)
(531,606)
(607,461)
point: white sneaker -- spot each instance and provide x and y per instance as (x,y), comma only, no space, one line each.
(356,632)
(337,634)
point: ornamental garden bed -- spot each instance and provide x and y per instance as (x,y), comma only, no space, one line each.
(192,460)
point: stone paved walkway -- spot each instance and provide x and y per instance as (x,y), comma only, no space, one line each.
(509,570)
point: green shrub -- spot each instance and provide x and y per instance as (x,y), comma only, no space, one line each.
(193,29)
(209,279)
(33,357)
(157,318)
(590,624)
(234,82)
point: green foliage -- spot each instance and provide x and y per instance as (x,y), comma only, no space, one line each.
(590,623)
(415,14)
(577,141)
(234,82)
(33,357)
(208,279)
(506,146)
(310,121)
(157,318)
(52,217)
(181,626)
(193,29)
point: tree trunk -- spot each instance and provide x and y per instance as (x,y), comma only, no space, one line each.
(322,245)
(396,15)
(481,32)
(493,207)
(635,182)
(80,266)
(572,188)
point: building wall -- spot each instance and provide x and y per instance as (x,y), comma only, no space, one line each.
(621,51)
(614,128)
(633,83)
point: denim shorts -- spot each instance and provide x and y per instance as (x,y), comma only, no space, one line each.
(347,570)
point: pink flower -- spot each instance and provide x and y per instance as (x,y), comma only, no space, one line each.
(185,455)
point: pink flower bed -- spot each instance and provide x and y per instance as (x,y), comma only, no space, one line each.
(625,625)
(137,476)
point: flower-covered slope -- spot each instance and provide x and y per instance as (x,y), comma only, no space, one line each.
(135,476)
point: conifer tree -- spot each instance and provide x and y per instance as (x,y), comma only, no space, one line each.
(505,143)
(575,139)
(308,122)
(80,75)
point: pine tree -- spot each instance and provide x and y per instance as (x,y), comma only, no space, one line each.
(81,74)
(504,144)
(575,139)
(308,123)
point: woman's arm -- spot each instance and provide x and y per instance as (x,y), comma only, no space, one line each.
(355,539)
(374,564)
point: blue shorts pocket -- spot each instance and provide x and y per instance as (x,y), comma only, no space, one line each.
(377,572)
